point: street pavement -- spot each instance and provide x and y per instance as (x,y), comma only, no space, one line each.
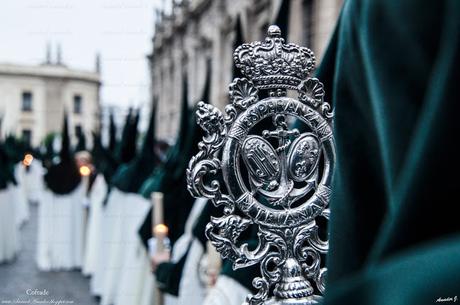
(22,283)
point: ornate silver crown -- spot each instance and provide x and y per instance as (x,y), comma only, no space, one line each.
(274,64)
(277,179)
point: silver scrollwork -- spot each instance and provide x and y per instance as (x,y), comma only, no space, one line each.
(278,179)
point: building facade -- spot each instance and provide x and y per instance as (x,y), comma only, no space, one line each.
(33,100)
(198,37)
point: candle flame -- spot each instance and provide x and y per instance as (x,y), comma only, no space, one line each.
(161,229)
(85,170)
(28,158)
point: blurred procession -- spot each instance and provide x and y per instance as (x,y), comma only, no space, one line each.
(94,207)
(227,152)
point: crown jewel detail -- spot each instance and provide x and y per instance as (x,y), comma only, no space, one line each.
(272,64)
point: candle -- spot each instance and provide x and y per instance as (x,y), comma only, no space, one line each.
(214,263)
(157,201)
(85,172)
(159,231)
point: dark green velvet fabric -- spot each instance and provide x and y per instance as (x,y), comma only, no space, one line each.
(392,74)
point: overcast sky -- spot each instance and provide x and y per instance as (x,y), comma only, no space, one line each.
(120,30)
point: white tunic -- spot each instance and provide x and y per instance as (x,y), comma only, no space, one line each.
(33,181)
(191,290)
(60,230)
(9,232)
(227,291)
(19,193)
(93,230)
(124,214)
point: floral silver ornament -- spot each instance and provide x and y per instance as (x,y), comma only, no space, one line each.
(289,171)
(311,92)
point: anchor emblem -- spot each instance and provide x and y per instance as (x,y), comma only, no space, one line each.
(274,171)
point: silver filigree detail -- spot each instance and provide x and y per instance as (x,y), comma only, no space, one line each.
(289,172)
(311,91)
(242,93)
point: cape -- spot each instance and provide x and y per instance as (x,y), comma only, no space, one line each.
(391,73)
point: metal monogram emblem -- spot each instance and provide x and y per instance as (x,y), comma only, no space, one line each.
(277,179)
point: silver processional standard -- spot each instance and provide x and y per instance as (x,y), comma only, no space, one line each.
(276,179)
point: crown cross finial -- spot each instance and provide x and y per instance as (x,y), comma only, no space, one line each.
(274,31)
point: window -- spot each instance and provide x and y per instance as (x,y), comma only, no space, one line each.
(27,136)
(77,103)
(26,101)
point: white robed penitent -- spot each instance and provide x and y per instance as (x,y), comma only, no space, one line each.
(60,230)
(123,216)
(19,195)
(33,181)
(9,231)
(192,290)
(94,225)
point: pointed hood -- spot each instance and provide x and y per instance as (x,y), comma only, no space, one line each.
(65,152)
(171,180)
(64,177)
(103,158)
(130,177)
(147,149)
(48,152)
(112,133)
(81,145)
(127,148)
(162,174)
(194,132)
(239,40)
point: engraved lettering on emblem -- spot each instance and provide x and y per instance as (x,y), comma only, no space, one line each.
(272,107)
(290,107)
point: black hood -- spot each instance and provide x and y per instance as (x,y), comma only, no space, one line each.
(64,177)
